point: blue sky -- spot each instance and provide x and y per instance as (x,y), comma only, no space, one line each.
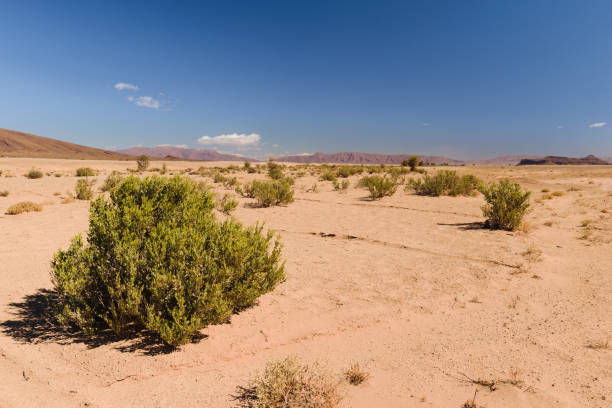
(466,79)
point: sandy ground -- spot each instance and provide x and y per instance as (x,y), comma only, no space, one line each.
(409,287)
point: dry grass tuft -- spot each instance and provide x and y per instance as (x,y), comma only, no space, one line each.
(4,193)
(289,383)
(599,345)
(355,375)
(24,206)
(532,254)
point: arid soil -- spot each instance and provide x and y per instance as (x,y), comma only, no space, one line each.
(412,288)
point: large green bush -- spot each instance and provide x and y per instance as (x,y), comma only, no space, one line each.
(273,192)
(379,186)
(446,182)
(157,258)
(506,205)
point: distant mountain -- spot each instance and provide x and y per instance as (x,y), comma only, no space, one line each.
(363,158)
(590,159)
(500,160)
(183,153)
(18,144)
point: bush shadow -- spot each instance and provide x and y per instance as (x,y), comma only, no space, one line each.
(467,226)
(245,396)
(35,322)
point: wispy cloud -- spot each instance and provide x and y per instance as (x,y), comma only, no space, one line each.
(425,124)
(121,86)
(232,139)
(559,127)
(598,124)
(145,101)
(182,146)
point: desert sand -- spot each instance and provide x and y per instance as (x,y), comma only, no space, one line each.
(411,288)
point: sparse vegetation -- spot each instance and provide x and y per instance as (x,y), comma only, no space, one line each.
(598,345)
(445,182)
(291,384)
(4,193)
(275,192)
(341,186)
(34,174)
(157,258)
(142,163)
(112,181)
(85,172)
(83,190)
(379,186)
(275,171)
(227,204)
(506,204)
(23,207)
(355,375)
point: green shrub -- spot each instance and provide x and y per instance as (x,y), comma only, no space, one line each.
(156,258)
(164,169)
(413,162)
(219,178)
(344,185)
(275,172)
(446,182)
(112,181)
(85,172)
(379,186)
(289,383)
(329,176)
(24,206)
(227,204)
(506,205)
(273,192)
(231,182)
(34,174)
(142,163)
(347,171)
(83,190)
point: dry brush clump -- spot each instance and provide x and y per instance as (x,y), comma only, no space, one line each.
(83,189)
(156,258)
(289,383)
(112,181)
(355,375)
(34,174)
(85,172)
(23,207)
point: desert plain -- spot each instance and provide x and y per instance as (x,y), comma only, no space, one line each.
(432,305)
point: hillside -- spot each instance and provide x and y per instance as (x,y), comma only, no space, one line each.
(590,159)
(18,144)
(182,153)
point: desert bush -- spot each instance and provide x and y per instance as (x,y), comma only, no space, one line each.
(231,182)
(112,181)
(24,206)
(329,175)
(164,169)
(379,186)
(289,383)
(275,171)
(219,178)
(413,162)
(227,204)
(344,185)
(273,192)
(355,375)
(142,163)
(506,204)
(347,171)
(156,258)
(85,172)
(83,190)
(445,182)
(34,174)
(4,193)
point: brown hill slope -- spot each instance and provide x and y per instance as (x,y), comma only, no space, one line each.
(18,144)
(182,153)
(590,159)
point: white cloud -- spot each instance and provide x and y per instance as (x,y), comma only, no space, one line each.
(303,154)
(182,146)
(598,124)
(559,127)
(145,101)
(120,86)
(425,124)
(232,139)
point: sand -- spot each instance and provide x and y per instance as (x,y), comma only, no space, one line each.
(410,287)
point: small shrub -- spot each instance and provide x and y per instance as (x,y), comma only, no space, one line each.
(4,193)
(164,169)
(275,192)
(445,182)
(275,172)
(34,174)
(219,178)
(83,190)
(355,375)
(112,181)
(142,163)
(379,186)
(343,186)
(85,172)
(227,204)
(231,182)
(506,204)
(291,384)
(22,207)
(329,176)
(156,258)
(413,162)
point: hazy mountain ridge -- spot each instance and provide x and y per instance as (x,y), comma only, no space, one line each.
(183,153)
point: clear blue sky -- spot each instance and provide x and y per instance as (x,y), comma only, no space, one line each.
(461,78)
